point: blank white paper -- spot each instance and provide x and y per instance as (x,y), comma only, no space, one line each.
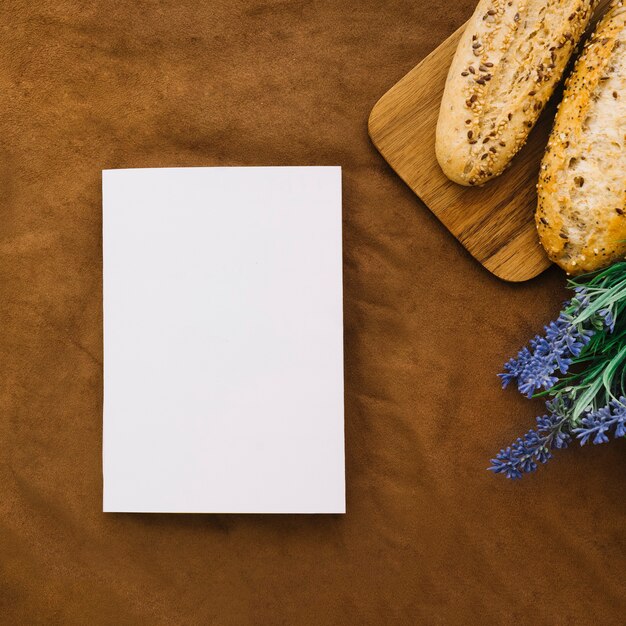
(223,340)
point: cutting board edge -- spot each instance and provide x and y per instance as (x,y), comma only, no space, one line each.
(503,271)
(500,271)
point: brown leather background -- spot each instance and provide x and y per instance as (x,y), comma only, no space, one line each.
(430,537)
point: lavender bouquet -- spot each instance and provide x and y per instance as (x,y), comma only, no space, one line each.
(578,366)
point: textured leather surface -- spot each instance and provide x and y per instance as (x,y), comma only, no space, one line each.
(430,537)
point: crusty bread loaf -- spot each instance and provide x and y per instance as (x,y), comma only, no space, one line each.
(581,212)
(509,59)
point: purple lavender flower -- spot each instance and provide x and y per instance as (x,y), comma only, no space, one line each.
(580,367)
(601,423)
(522,456)
(608,319)
(535,367)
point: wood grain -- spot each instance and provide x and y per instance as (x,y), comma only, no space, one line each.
(495,222)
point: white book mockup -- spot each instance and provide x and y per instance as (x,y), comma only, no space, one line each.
(223,340)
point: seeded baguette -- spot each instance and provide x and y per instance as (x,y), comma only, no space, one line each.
(508,61)
(581,211)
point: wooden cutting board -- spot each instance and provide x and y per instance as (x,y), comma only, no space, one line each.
(494,222)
